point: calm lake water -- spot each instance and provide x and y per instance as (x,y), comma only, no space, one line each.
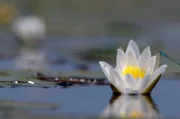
(85,100)
(81,101)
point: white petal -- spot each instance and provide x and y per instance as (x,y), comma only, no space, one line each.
(144,83)
(158,57)
(150,65)
(154,78)
(119,71)
(137,83)
(145,56)
(133,47)
(130,60)
(107,70)
(157,72)
(129,81)
(118,81)
(113,77)
(130,91)
(120,58)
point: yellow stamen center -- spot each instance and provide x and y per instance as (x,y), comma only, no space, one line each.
(136,72)
(135,114)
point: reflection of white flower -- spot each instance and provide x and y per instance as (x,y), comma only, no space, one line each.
(135,73)
(126,106)
(29,59)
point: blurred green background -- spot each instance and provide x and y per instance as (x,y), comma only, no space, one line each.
(94,29)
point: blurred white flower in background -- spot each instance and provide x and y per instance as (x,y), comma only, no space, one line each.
(29,28)
(126,106)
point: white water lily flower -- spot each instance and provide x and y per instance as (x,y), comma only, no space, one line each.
(134,73)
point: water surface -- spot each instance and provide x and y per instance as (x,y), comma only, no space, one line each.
(82,100)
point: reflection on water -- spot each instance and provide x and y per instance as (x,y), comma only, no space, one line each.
(131,107)
(31,59)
